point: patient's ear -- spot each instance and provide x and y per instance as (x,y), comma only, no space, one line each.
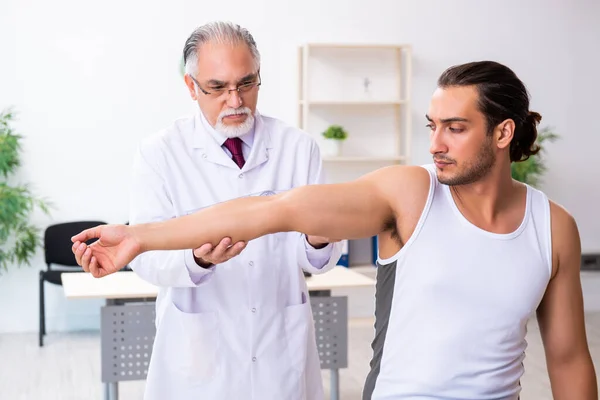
(504,133)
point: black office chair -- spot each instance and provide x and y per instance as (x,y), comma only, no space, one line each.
(57,250)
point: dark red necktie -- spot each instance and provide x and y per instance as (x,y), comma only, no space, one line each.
(234,145)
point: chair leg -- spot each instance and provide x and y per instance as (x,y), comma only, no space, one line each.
(42,331)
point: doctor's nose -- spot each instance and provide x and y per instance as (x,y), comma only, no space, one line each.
(234,100)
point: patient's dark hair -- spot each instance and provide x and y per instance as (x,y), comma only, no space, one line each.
(502,96)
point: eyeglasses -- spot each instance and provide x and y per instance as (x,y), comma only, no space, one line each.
(220,91)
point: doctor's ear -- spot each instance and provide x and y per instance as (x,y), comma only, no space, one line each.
(189,82)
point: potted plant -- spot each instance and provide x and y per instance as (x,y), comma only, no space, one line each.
(19,238)
(531,170)
(334,137)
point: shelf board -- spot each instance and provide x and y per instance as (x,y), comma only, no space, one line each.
(358,46)
(363,159)
(353,102)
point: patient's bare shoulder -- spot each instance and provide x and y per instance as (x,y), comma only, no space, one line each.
(403,185)
(566,242)
(406,189)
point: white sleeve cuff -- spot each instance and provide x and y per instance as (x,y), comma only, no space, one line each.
(318,261)
(197,273)
(318,258)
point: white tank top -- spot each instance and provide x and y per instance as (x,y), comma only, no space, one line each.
(461,300)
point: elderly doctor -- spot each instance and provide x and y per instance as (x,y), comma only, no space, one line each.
(233,321)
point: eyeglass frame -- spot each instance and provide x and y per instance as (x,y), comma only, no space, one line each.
(237,89)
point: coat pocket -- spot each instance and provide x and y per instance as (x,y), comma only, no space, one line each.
(194,340)
(297,323)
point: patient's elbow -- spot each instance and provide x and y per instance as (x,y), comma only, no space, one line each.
(280,211)
(295,210)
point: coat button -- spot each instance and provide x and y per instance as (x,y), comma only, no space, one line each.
(204,155)
(254,310)
(251,263)
(240,176)
(253,359)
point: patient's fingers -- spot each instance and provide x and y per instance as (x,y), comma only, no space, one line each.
(79,250)
(85,259)
(94,267)
(87,234)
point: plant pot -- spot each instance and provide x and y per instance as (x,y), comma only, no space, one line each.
(332,148)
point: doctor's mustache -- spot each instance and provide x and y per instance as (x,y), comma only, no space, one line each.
(235,111)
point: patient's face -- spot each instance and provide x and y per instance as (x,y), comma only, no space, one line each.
(462,149)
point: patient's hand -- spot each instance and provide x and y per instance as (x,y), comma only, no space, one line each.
(115,248)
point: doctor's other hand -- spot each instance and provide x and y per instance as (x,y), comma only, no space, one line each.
(207,255)
(115,248)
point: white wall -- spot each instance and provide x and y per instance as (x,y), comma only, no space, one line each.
(91,79)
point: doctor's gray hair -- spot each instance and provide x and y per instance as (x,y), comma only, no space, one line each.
(216,32)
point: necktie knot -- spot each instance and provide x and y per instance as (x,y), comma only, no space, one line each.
(234,145)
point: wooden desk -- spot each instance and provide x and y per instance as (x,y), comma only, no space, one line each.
(127,286)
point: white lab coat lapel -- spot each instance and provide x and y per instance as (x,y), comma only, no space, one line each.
(211,150)
(214,153)
(261,146)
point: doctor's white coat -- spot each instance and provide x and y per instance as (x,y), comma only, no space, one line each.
(242,329)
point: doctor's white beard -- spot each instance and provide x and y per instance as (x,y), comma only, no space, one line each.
(233,131)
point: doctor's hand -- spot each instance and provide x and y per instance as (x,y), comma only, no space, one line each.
(319,242)
(115,248)
(206,255)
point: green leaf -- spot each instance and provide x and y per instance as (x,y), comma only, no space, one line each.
(531,170)
(335,132)
(9,152)
(19,239)
(27,240)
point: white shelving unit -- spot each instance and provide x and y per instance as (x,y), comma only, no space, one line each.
(365,89)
